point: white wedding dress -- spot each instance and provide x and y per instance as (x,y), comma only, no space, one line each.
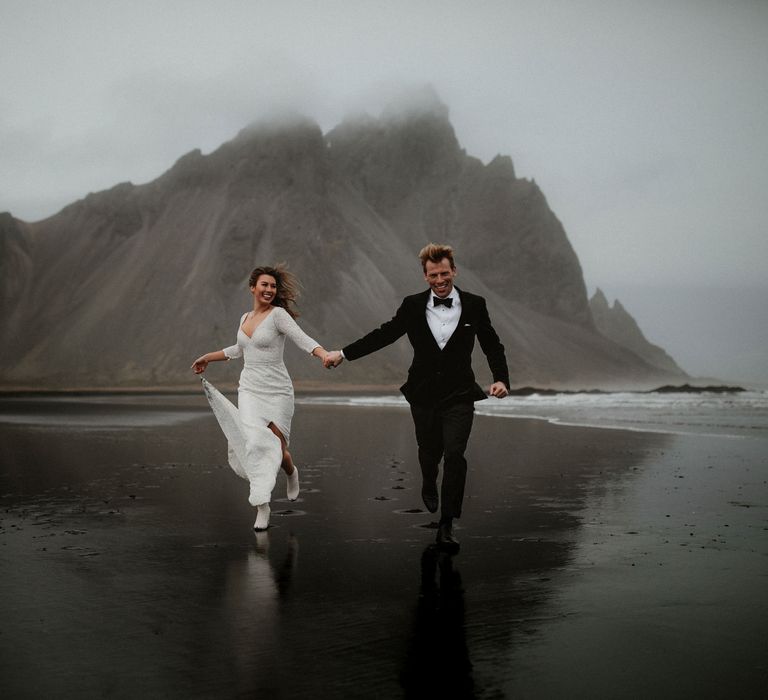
(264,396)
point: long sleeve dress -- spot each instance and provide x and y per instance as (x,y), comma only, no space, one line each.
(264,396)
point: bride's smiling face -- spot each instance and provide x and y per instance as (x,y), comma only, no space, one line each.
(265,289)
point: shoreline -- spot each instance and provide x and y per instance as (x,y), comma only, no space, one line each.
(717,412)
(336,388)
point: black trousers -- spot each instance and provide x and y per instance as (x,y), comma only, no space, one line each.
(442,432)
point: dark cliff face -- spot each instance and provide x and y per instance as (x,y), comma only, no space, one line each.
(127,286)
(413,173)
(616,323)
(15,272)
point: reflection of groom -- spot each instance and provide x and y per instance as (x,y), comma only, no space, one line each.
(437,663)
(442,323)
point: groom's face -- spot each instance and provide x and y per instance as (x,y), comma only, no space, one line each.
(439,276)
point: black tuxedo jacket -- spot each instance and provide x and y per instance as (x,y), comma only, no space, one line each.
(436,375)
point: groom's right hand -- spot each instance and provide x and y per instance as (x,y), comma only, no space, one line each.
(333,359)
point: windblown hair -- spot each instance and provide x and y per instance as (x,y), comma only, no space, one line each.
(435,252)
(287,286)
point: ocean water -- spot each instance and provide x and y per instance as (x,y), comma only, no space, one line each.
(735,415)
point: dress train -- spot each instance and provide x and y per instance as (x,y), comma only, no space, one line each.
(254,451)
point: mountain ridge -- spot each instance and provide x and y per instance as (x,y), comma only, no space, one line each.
(125,286)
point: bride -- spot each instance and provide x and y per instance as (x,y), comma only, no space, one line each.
(258,430)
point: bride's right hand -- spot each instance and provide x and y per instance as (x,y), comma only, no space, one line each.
(199,365)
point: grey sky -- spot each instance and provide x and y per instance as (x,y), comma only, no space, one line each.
(643,121)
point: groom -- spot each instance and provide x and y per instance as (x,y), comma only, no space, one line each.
(442,323)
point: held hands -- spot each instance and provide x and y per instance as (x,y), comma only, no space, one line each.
(498,389)
(333,359)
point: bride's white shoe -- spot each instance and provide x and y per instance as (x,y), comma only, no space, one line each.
(293,484)
(262,517)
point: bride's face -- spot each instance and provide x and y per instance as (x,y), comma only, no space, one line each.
(265,289)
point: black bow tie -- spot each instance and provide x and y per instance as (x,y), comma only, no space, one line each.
(437,301)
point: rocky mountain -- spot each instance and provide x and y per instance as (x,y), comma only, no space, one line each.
(125,287)
(616,323)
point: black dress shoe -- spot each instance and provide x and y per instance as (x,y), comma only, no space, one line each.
(430,497)
(445,538)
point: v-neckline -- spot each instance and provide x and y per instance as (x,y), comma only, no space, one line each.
(257,326)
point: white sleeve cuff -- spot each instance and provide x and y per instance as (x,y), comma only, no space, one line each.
(232,352)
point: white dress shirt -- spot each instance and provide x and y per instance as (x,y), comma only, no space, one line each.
(443,321)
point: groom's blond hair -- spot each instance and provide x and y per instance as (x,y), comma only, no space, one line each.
(435,252)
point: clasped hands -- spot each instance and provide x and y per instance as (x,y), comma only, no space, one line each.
(333,359)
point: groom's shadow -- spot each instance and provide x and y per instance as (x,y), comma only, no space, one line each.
(437,662)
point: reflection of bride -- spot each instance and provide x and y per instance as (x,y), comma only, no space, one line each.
(258,430)
(251,602)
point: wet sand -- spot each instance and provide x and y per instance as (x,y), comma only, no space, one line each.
(594,563)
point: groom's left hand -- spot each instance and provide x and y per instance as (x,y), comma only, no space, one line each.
(498,389)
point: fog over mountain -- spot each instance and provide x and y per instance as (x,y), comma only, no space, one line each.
(127,286)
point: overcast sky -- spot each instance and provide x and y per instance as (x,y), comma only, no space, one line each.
(645,122)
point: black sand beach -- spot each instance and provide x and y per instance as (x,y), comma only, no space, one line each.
(594,563)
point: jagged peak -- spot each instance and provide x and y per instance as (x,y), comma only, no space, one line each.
(599,298)
(119,190)
(194,155)
(414,126)
(189,163)
(277,123)
(9,224)
(416,102)
(358,118)
(420,106)
(353,125)
(502,165)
